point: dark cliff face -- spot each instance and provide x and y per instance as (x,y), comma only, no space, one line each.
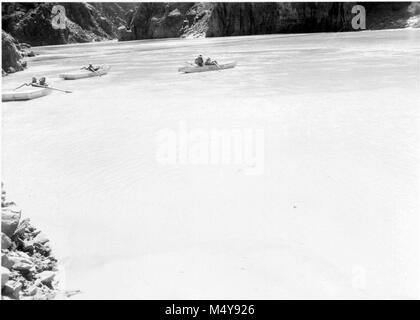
(171,19)
(31,22)
(166,20)
(159,20)
(230,19)
(11,58)
(386,15)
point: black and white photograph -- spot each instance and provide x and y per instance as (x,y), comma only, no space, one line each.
(210,151)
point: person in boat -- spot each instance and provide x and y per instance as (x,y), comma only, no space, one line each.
(43,82)
(199,61)
(35,83)
(90,67)
(210,62)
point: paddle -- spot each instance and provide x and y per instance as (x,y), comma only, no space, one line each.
(46,87)
(98,74)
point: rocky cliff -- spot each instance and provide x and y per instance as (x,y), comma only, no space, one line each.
(159,20)
(26,24)
(85,22)
(230,19)
(11,55)
(169,20)
(31,22)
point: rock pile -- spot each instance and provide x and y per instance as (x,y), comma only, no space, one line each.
(11,55)
(28,268)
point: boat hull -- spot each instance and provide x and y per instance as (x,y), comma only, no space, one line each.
(83,74)
(194,69)
(25,93)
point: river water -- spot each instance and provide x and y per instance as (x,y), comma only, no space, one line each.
(331,212)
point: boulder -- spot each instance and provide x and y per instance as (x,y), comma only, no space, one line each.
(5,261)
(45,277)
(28,246)
(12,289)
(10,217)
(11,58)
(40,239)
(5,275)
(124,34)
(32,291)
(5,241)
(21,263)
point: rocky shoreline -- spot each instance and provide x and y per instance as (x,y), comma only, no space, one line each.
(28,268)
(13,54)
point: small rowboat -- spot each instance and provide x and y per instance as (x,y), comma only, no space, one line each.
(81,74)
(194,68)
(25,93)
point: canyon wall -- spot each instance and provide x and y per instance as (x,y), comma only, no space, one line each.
(96,21)
(170,20)
(85,22)
(231,19)
(160,20)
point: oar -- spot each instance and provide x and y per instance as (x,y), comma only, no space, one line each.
(98,74)
(46,87)
(25,84)
(217,65)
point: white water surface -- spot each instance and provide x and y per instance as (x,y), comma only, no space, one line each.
(334,214)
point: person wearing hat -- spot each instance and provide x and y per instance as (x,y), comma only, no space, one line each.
(199,61)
